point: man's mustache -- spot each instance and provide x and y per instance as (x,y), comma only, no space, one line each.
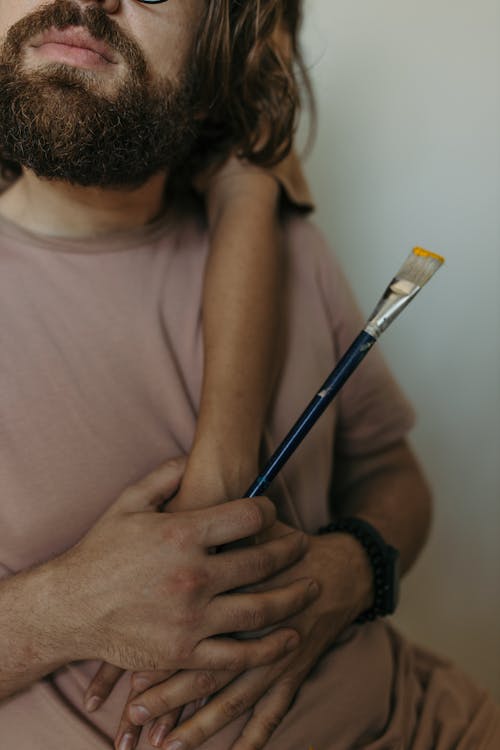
(63,13)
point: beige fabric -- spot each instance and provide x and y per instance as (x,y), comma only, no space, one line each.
(100,374)
(291,176)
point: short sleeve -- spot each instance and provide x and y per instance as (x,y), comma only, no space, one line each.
(373,412)
(289,172)
(294,185)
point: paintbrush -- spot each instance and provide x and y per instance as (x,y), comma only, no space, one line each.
(417,270)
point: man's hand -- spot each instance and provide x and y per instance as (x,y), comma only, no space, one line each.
(147,594)
(339,563)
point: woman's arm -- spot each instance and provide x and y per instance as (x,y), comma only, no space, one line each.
(241,323)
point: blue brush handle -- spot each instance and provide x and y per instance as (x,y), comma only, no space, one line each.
(332,385)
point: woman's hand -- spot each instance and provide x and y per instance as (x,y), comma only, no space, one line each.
(234,180)
(101,687)
(339,563)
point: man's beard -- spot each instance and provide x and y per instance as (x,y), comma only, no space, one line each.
(54,121)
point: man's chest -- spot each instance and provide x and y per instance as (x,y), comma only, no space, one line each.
(93,395)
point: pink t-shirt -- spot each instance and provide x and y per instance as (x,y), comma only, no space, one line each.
(100,375)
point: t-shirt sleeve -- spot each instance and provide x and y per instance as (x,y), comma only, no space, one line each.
(373,412)
(294,185)
(289,173)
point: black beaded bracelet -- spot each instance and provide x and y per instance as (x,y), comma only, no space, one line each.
(383,560)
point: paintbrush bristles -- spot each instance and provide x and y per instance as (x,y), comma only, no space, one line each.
(420,266)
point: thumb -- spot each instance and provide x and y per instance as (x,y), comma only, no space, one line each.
(154,489)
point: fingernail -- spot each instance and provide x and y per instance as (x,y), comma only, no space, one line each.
(159,735)
(188,711)
(126,742)
(175,745)
(138,714)
(292,643)
(141,683)
(313,589)
(91,704)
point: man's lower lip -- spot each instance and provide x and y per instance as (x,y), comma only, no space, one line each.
(73,55)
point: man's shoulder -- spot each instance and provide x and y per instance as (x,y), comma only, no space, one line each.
(309,253)
(301,232)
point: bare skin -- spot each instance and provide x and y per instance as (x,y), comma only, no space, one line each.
(57,208)
(241,324)
(83,614)
(370,487)
(372,490)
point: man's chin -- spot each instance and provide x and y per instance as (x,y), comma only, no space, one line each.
(77,172)
(58,126)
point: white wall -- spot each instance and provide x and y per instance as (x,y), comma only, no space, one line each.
(408,153)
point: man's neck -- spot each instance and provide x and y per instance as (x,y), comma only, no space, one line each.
(58,209)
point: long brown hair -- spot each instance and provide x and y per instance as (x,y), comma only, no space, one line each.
(251,74)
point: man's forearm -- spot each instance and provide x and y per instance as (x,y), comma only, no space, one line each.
(34,640)
(390,492)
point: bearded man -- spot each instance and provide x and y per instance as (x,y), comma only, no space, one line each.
(103,249)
